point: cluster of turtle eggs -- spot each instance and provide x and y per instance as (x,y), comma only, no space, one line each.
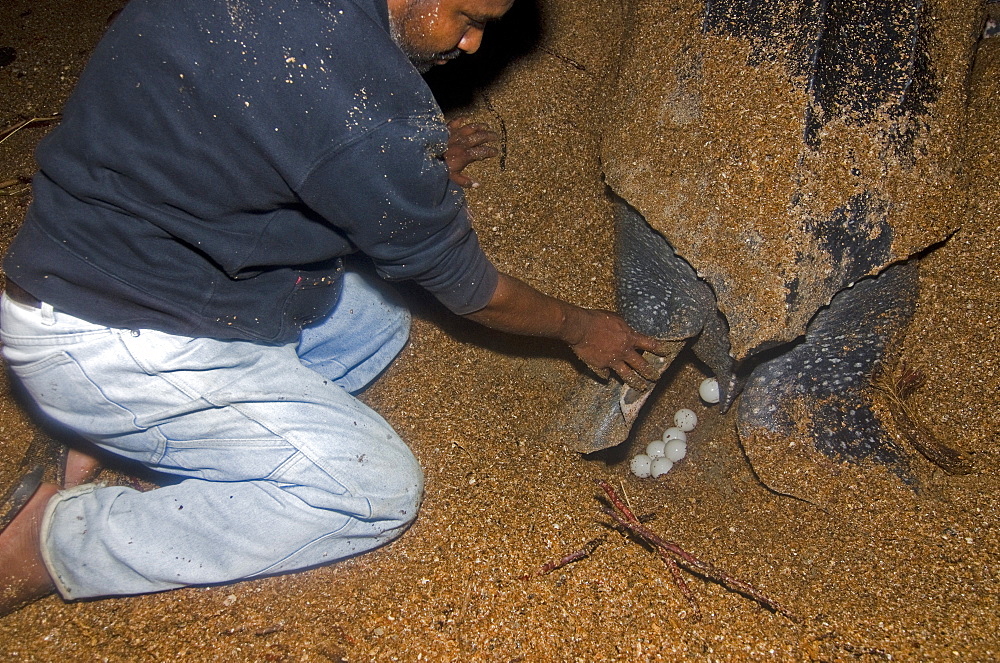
(661,454)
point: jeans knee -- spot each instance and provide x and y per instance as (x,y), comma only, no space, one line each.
(402,492)
(403,325)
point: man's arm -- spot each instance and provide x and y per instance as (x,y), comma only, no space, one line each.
(601,339)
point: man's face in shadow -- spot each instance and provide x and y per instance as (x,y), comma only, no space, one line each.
(432,32)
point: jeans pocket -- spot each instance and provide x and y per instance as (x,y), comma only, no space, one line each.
(64,392)
(200,446)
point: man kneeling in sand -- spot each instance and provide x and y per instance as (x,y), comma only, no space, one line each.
(178,294)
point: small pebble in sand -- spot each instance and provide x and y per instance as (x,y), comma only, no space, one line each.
(709,391)
(674,433)
(686,419)
(641,465)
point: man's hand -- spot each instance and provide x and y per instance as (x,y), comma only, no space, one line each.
(606,341)
(601,339)
(467,143)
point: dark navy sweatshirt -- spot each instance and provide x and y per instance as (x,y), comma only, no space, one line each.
(219,157)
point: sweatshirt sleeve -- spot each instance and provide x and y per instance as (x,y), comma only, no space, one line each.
(387,189)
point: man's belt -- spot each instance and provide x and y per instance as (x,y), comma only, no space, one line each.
(21,296)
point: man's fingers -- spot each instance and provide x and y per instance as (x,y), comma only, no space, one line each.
(459,159)
(644,368)
(456,126)
(602,373)
(481,152)
(630,376)
(468,139)
(458,162)
(462,180)
(658,346)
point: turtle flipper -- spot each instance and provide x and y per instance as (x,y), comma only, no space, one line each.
(658,294)
(811,408)
(661,295)
(599,415)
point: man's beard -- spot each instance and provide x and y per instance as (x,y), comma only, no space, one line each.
(424,62)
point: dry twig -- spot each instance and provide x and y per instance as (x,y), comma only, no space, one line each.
(17,126)
(15,186)
(586,551)
(896,391)
(676,557)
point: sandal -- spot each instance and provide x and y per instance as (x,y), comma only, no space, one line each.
(45,459)
(18,495)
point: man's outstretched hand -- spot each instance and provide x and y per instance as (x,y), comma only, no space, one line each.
(601,339)
(467,142)
(607,342)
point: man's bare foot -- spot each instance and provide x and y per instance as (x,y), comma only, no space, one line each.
(23,576)
(80,468)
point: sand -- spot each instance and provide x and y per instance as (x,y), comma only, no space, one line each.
(896,576)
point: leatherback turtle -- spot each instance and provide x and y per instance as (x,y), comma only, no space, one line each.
(778,167)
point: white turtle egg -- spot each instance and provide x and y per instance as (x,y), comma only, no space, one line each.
(709,390)
(686,419)
(674,450)
(640,465)
(656,449)
(660,467)
(674,433)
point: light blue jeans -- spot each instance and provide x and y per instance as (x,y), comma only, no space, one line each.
(283,468)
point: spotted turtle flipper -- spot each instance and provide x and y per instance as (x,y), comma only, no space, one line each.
(661,295)
(658,294)
(812,409)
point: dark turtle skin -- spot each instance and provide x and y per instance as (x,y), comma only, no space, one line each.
(786,248)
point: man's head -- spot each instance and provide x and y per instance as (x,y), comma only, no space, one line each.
(432,32)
